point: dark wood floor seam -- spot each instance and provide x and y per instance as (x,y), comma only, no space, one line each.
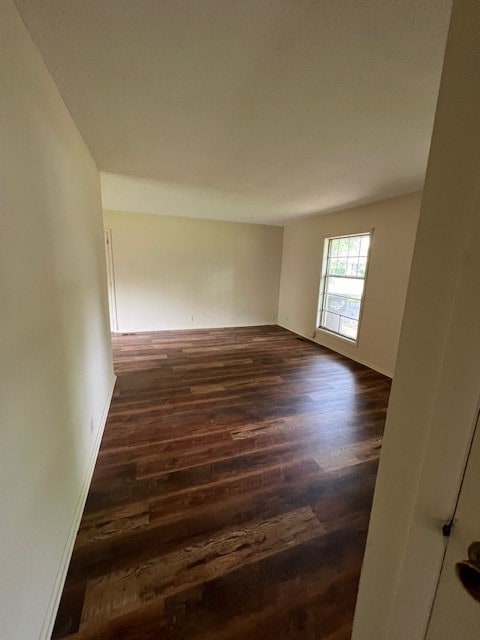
(232,491)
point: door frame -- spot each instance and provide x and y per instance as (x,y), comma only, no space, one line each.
(455,518)
(451,427)
(434,399)
(112,296)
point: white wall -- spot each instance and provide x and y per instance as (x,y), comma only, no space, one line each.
(168,269)
(436,388)
(394,222)
(56,373)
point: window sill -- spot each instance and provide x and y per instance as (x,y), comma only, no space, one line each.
(332,334)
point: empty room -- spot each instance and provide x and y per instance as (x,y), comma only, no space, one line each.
(239,324)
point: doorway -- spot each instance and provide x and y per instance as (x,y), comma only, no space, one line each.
(112,302)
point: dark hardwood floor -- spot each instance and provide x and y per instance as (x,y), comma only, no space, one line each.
(232,491)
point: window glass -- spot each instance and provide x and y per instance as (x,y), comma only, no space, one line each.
(343,284)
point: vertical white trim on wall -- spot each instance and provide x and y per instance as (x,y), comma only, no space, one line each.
(112,297)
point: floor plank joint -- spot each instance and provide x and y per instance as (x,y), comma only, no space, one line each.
(232,491)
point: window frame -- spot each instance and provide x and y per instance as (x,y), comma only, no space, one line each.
(323,286)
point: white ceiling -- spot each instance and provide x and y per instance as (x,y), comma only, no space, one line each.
(259,110)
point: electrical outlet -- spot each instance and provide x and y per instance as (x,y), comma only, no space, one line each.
(190,317)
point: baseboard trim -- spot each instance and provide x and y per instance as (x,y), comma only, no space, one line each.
(270,323)
(72,534)
(359,360)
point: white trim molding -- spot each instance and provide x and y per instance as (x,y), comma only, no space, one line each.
(315,340)
(54,603)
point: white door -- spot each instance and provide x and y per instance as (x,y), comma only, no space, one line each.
(112,302)
(456,609)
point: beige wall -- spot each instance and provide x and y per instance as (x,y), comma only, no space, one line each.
(394,222)
(435,394)
(169,269)
(56,372)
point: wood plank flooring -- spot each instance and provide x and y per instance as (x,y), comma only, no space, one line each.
(232,491)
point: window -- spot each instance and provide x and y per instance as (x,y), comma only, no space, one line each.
(343,282)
